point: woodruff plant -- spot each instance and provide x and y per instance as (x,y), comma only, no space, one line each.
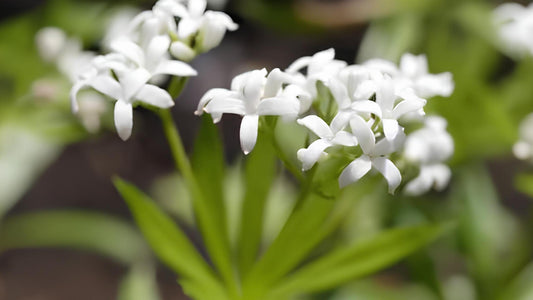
(359,118)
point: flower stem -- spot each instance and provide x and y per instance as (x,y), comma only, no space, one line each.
(214,234)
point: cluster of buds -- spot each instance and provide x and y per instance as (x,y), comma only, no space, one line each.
(153,45)
(374,112)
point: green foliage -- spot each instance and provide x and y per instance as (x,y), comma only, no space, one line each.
(260,171)
(90,231)
(139,284)
(360,259)
(170,244)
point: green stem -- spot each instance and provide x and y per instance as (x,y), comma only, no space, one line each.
(214,234)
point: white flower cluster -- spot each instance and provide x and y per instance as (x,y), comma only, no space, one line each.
(54,46)
(375,103)
(141,54)
(515,26)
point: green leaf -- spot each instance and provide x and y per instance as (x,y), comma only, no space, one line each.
(520,287)
(524,183)
(259,177)
(139,284)
(208,164)
(298,237)
(488,232)
(107,235)
(169,242)
(360,259)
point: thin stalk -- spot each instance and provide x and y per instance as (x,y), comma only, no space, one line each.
(215,237)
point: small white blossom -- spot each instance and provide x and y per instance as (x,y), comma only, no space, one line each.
(515,27)
(252,94)
(428,148)
(328,137)
(322,66)
(374,155)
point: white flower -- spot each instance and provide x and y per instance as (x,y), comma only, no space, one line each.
(50,43)
(426,85)
(391,109)
(523,149)
(154,58)
(429,147)
(515,24)
(435,175)
(252,94)
(92,106)
(431,144)
(130,87)
(322,66)
(56,47)
(413,73)
(209,27)
(328,137)
(374,156)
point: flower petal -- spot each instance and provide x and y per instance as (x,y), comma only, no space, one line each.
(298,64)
(133,81)
(355,171)
(408,106)
(310,155)
(157,48)
(317,126)
(367,106)
(182,51)
(208,96)
(222,104)
(129,49)
(389,171)
(364,134)
(176,68)
(106,85)
(155,96)
(345,138)
(390,128)
(248,132)
(123,119)
(278,106)
(275,80)
(340,93)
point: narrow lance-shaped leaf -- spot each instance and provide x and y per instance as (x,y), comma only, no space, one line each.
(259,177)
(106,235)
(169,242)
(209,220)
(361,259)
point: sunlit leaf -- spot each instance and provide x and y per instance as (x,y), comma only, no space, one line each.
(360,259)
(107,235)
(169,243)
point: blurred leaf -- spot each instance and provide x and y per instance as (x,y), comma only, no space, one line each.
(524,183)
(23,156)
(360,259)
(298,237)
(260,170)
(139,284)
(488,232)
(104,234)
(169,243)
(520,288)
(376,289)
(391,38)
